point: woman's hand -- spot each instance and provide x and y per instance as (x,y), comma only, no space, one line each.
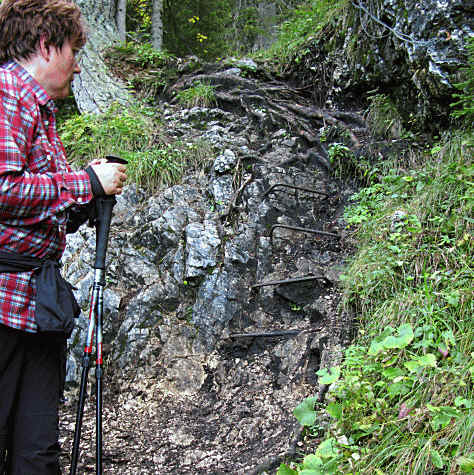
(112,176)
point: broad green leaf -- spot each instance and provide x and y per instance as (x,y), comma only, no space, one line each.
(421,362)
(311,471)
(331,467)
(436,459)
(403,339)
(428,360)
(390,361)
(285,470)
(329,377)
(305,412)
(452,298)
(312,462)
(327,449)
(460,401)
(442,417)
(376,346)
(397,389)
(412,365)
(334,410)
(450,411)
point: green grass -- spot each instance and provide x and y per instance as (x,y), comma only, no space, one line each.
(382,116)
(140,54)
(402,399)
(305,24)
(200,94)
(147,70)
(135,134)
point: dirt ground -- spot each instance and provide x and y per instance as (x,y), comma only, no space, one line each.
(147,431)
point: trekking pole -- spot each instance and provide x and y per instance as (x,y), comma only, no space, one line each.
(104,207)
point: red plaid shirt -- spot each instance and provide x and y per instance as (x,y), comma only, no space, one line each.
(36,188)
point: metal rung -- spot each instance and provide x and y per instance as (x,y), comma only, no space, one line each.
(265,334)
(290,281)
(284,185)
(303,230)
(274,333)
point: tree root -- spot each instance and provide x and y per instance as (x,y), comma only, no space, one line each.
(233,202)
(274,104)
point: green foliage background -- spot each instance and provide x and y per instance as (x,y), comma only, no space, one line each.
(401,401)
(190,27)
(207,28)
(196,27)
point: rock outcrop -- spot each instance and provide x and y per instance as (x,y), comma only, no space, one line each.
(218,303)
(410,50)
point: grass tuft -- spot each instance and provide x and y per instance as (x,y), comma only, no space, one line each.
(147,70)
(136,135)
(199,95)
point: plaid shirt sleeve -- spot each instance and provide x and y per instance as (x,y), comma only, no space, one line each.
(36,187)
(32,188)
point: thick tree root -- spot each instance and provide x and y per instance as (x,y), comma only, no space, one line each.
(274,105)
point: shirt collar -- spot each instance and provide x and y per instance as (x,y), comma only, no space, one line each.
(28,80)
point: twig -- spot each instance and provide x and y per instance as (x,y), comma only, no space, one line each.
(233,202)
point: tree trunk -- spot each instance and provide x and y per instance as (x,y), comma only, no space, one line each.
(157,24)
(267,14)
(95,89)
(120,19)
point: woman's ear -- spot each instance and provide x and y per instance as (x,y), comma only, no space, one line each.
(44,49)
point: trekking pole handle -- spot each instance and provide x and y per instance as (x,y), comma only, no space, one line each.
(105,205)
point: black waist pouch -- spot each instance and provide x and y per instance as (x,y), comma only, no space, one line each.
(56,306)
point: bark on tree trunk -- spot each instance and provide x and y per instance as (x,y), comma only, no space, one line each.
(157,24)
(95,89)
(120,19)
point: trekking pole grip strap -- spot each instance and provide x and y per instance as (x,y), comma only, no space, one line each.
(104,217)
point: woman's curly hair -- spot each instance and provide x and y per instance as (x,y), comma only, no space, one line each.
(24,22)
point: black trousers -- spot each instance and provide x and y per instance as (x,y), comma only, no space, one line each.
(31,383)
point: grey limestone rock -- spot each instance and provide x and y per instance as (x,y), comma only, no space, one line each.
(413,51)
(202,244)
(217,303)
(221,189)
(225,162)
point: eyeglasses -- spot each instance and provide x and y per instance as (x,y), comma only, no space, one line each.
(78,55)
